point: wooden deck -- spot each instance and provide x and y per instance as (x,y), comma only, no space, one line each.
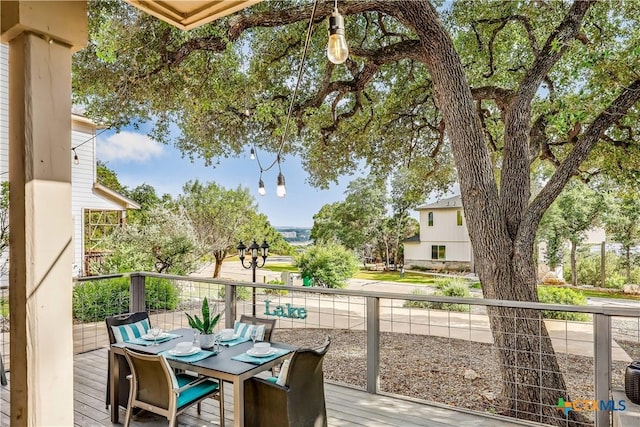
(345,406)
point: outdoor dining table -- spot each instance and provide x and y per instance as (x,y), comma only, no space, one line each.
(220,366)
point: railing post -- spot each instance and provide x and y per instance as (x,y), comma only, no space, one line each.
(373,344)
(136,293)
(229,306)
(602,364)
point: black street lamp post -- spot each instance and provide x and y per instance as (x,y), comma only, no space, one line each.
(263,249)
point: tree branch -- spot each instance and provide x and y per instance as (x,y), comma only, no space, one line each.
(501,96)
(618,108)
(503,22)
(239,23)
(518,115)
(554,48)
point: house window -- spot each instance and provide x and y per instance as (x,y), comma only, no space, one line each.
(438,252)
(430,219)
(459,217)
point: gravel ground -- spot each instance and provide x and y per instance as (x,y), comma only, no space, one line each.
(456,372)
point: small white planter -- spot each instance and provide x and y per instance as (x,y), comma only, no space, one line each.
(206,340)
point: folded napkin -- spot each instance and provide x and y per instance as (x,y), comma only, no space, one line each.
(142,341)
(236,341)
(244,357)
(202,354)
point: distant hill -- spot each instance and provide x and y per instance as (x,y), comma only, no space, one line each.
(295,235)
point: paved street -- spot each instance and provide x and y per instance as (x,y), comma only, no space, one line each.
(567,337)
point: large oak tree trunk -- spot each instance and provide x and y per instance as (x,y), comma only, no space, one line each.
(502,244)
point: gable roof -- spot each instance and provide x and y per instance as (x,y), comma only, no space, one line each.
(451,202)
(415,238)
(114,196)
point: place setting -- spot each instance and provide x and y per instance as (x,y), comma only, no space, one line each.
(154,336)
(229,338)
(260,353)
(187,351)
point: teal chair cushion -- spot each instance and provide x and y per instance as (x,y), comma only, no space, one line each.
(244,330)
(194,393)
(130,331)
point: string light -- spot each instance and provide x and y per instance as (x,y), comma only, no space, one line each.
(76,159)
(252,156)
(337,49)
(280,189)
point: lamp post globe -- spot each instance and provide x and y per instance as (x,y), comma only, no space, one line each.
(255,251)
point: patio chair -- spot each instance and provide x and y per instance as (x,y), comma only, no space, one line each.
(298,399)
(114,322)
(156,388)
(269,324)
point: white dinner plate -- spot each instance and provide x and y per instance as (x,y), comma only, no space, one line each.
(149,337)
(271,352)
(193,350)
(235,337)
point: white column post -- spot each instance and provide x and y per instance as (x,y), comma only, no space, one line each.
(42,36)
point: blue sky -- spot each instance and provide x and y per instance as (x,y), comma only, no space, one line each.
(137,159)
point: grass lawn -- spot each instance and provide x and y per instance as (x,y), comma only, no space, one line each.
(381,276)
(394,276)
(598,294)
(281,267)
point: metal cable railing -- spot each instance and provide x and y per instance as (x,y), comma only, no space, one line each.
(437,349)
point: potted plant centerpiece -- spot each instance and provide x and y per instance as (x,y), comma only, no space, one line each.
(205,325)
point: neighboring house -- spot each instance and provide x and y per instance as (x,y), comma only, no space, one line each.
(443,242)
(95,208)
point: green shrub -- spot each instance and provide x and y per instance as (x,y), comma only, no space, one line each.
(4,307)
(635,275)
(96,299)
(551,295)
(242,293)
(329,265)
(615,281)
(276,291)
(416,304)
(588,268)
(160,294)
(452,288)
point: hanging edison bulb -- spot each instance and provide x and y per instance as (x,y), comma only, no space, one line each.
(261,190)
(76,159)
(281,191)
(337,49)
(252,154)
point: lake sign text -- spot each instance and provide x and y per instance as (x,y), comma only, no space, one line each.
(285,311)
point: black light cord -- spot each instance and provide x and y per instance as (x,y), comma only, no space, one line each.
(76,159)
(293,97)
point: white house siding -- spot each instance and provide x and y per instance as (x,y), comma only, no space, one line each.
(83,176)
(445,226)
(446,232)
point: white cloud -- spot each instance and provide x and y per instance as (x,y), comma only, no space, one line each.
(128,147)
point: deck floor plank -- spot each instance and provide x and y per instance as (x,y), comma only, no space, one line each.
(346,406)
